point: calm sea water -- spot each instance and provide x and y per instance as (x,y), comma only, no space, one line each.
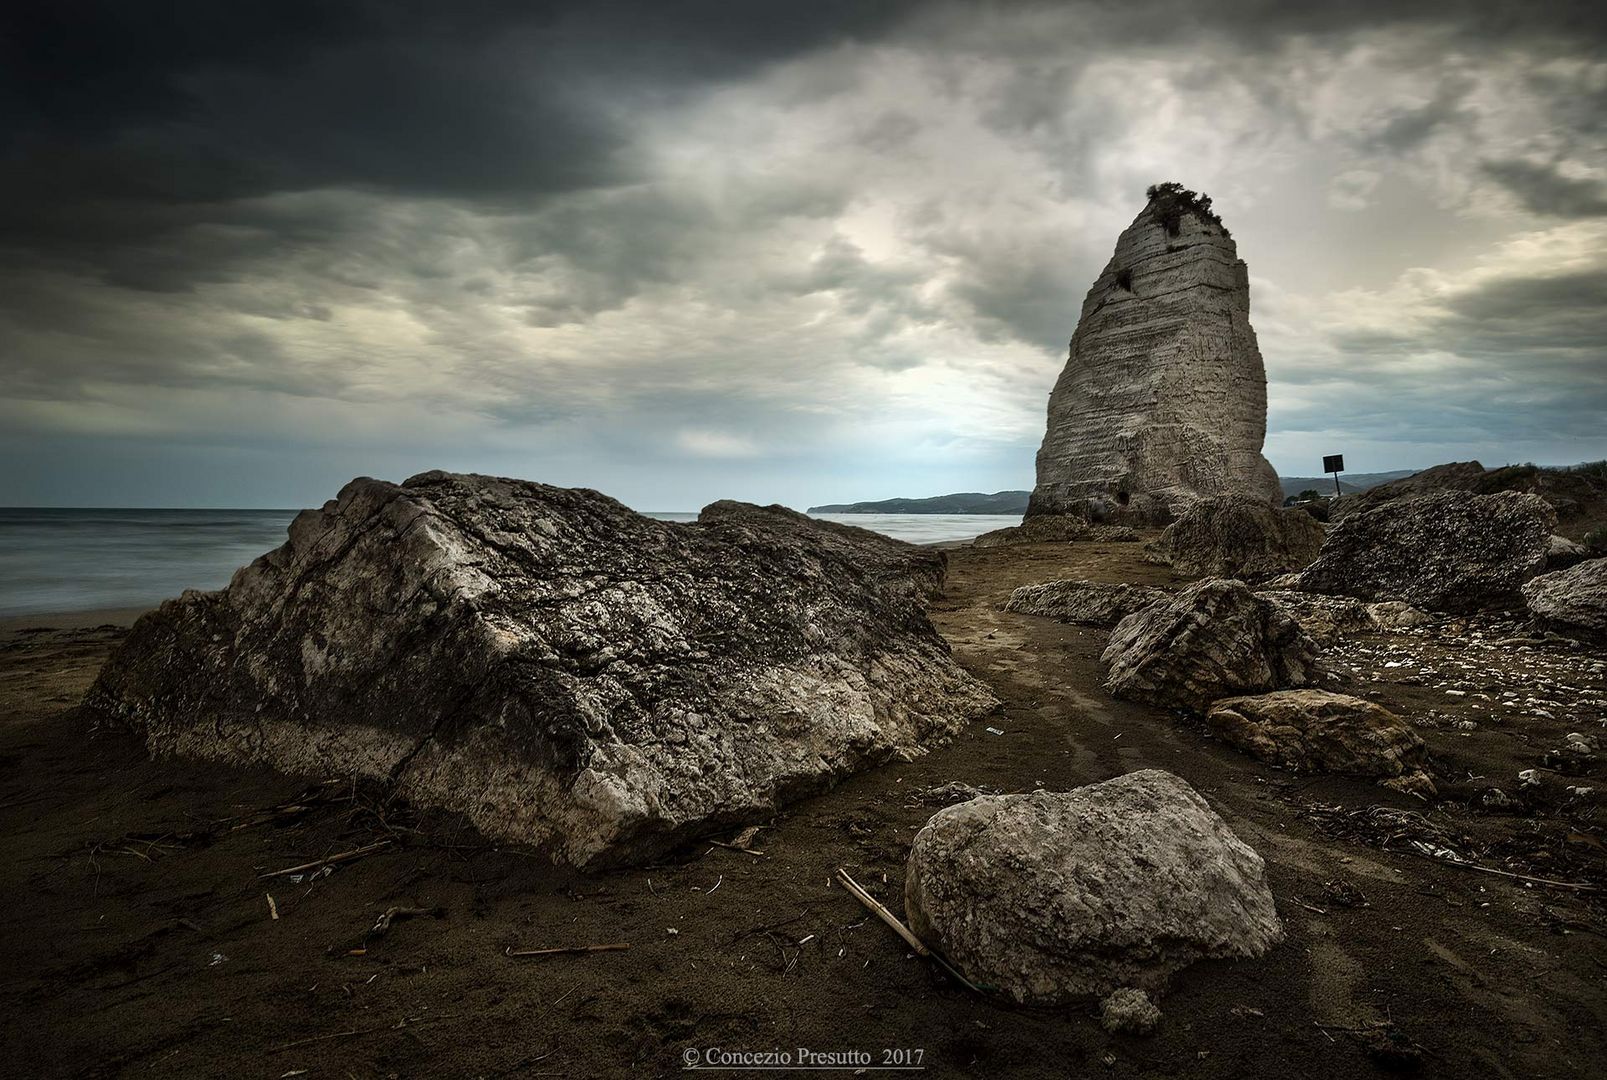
(85,560)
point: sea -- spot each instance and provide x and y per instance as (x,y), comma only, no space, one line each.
(56,561)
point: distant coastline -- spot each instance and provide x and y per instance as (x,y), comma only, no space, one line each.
(964,502)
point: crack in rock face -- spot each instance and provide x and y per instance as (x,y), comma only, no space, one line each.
(561,670)
(1163,399)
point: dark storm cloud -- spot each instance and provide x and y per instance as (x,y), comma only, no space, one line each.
(1544,190)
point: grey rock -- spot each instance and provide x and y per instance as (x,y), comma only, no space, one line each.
(1561,553)
(1053,897)
(1236,536)
(1214,639)
(1573,601)
(1047,529)
(1320,731)
(1163,399)
(1129,1012)
(1325,618)
(1446,551)
(561,670)
(1112,534)
(1397,615)
(887,561)
(1090,603)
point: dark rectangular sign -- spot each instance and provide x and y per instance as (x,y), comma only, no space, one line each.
(1333,463)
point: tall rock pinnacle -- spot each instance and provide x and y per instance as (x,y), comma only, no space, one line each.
(1163,399)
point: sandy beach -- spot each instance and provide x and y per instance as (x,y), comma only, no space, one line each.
(142,939)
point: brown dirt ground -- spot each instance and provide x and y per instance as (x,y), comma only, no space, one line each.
(139,942)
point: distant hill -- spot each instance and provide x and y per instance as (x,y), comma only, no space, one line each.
(1349,483)
(964,502)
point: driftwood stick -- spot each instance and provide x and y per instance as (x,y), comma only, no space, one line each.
(903,931)
(733,847)
(345,856)
(882,913)
(1578,886)
(567,950)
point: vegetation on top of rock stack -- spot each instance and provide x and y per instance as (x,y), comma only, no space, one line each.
(1170,200)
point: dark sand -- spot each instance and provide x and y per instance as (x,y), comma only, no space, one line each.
(139,940)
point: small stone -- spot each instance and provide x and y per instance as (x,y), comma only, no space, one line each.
(1129,1012)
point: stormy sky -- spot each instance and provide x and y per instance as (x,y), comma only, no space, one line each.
(682,250)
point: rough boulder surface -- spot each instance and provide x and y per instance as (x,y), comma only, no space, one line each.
(1053,897)
(1233,536)
(1214,639)
(1572,601)
(1163,399)
(1319,731)
(1051,529)
(563,671)
(1445,551)
(1090,603)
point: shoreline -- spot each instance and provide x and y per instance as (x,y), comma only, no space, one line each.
(73,620)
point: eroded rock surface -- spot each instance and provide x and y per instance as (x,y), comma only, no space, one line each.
(1090,603)
(1052,897)
(1214,639)
(1235,536)
(1445,551)
(1163,399)
(563,671)
(1319,731)
(1572,601)
(1050,529)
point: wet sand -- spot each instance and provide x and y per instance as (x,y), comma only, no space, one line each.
(140,939)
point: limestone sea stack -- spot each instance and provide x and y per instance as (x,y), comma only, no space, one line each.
(1163,399)
(561,670)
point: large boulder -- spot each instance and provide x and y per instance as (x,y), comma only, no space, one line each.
(889,562)
(1446,551)
(1048,529)
(1052,897)
(1214,639)
(1235,536)
(1091,603)
(1320,731)
(563,671)
(1163,399)
(1573,601)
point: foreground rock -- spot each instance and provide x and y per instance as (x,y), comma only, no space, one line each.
(891,563)
(1572,601)
(1214,639)
(1319,731)
(1163,399)
(1039,530)
(1447,551)
(1090,603)
(563,671)
(1234,536)
(1052,897)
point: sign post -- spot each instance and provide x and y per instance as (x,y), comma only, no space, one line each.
(1334,463)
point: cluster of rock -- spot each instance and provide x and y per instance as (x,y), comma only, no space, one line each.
(1163,399)
(1577,495)
(1105,891)
(1236,536)
(561,670)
